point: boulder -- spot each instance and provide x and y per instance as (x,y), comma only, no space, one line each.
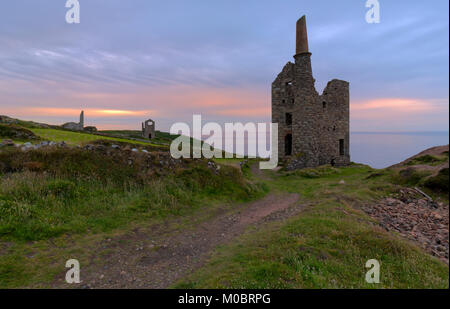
(7,142)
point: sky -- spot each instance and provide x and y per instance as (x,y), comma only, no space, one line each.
(127,61)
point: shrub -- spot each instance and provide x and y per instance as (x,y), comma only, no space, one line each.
(440,182)
(16,132)
(409,176)
(69,163)
(90,129)
(13,210)
(61,188)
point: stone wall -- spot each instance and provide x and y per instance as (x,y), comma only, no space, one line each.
(335,139)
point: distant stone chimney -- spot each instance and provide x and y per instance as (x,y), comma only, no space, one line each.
(82,120)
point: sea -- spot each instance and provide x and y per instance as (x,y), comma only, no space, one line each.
(380,150)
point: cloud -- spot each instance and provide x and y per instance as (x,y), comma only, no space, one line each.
(400,114)
(99,113)
(174,58)
(400,105)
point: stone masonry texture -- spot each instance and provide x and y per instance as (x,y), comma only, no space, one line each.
(313,129)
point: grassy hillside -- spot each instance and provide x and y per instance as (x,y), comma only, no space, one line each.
(22,123)
(63,201)
(428,170)
(77,138)
(51,192)
(54,194)
(327,245)
(58,134)
(160,138)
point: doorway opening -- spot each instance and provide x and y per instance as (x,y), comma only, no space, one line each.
(288,144)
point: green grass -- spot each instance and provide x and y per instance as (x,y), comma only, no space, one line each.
(231,161)
(57,203)
(160,138)
(429,160)
(410,176)
(34,207)
(47,193)
(78,138)
(60,203)
(326,246)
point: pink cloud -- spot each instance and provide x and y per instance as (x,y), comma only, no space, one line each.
(392,108)
(125,106)
(398,114)
(393,104)
(171,102)
(64,112)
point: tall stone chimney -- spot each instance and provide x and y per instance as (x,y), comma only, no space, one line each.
(302,36)
(302,58)
(82,119)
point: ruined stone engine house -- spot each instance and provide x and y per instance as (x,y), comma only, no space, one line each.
(313,129)
(148,129)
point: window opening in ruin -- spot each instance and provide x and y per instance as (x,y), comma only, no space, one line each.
(288,144)
(341,147)
(288,119)
(324,104)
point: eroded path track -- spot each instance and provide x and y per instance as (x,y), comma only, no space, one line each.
(157,259)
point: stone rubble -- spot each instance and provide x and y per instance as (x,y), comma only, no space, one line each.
(165,160)
(416,218)
(7,142)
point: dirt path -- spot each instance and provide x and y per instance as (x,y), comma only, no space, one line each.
(154,259)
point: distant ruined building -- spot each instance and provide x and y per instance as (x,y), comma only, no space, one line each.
(148,129)
(313,129)
(75,126)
